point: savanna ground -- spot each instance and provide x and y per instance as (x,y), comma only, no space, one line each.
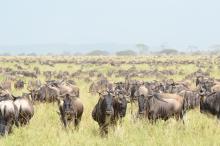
(46,129)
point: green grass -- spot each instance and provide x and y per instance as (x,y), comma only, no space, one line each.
(46,129)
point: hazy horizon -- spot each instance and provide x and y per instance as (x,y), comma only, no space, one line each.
(172,23)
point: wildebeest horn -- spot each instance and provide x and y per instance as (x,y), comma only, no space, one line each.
(150,95)
(100,93)
(118,82)
(161,99)
(211,93)
(28,88)
(71,95)
(201,92)
(111,94)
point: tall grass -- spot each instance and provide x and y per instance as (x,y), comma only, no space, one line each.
(46,129)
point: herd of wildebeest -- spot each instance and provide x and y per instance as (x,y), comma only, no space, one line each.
(157,99)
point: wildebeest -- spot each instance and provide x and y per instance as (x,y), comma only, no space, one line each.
(173,87)
(119,106)
(25,109)
(5,94)
(191,99)
(93,88)
(103,112)
(162,106)
(8,115)
(19,84)
(140,93)
(64,87)
(71,110)
(209,102)
(141,106)
(44,94)
(6,85)
(33,84)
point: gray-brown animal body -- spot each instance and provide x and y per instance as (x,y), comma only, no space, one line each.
(210,103)
(19,84)
(67,88)
(191,99)
(25,110)
(164,106)
(103,112)
(71,110)
(120,106)
(8,116)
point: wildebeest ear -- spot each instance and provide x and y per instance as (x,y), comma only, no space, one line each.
(112,94)
(14,97)
(60,102)
(63,95)
(128,101)
(101,96)
(150,95)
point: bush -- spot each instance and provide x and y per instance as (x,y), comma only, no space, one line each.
(126,53)
(98,53)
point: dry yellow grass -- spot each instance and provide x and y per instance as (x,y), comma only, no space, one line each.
(46,129)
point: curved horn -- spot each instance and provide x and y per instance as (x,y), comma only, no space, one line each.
(70,94)
(161,99)
(28,88)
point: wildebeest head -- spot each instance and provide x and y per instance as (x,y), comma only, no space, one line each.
(170,86)
(107,104)
(199,79)
(38,94)
(67,104)
(19,84)
(135,91)
(141,105)
(119,85)
(34,94)
(121,103)
(204,87)
(203,94)
(67,107)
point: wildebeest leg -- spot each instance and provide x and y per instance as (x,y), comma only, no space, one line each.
(154,118)
(120,121)
(2,128)
(77,121)
(64,120)
(8,127)
(177,117)
(27,119)
(16,123)
(182,116)
(103,130)
(24,118)
(218,116)
(131,107)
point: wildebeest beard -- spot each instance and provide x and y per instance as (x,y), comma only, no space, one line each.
(69,110)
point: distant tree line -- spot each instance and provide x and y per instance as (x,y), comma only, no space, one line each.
(138,49)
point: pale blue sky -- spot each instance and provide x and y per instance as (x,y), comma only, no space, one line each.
(177,22)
